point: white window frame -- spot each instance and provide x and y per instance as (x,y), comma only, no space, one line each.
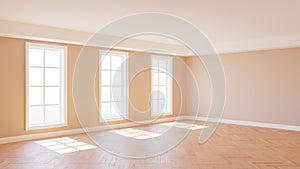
(63,85)
(124,87)
(169,87)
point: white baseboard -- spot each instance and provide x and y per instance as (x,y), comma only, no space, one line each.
(79,130)
(247,123)
(133,124)
(26,137)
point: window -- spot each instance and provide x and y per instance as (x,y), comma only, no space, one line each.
(45,86)
(161,87)
(113,85)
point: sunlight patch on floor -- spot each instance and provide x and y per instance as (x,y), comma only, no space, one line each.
(65,145)
(137,134)
(184,125)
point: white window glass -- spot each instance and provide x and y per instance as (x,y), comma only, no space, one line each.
(52,58)
(105,94)
(161,85)
(36,57)
(116,79)
(52,95)
(36,115)
(105,77)
(36,77)
(162,78)
(52,114)
(36,96)
(113,85)
(105,61)
(116,93)
(116,108)
(105,109)
(162,92)
(155,79)
(155,92)
(52,77)
(116,62)
(45,86)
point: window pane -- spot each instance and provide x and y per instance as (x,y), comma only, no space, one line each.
(105,93)
(120,106)
(36,115)
(162,65)
(52,58)
(36,96)
(36,57)
(155,65)
(116,62)
(162,92)
(52,77)
(169,80)
(105,78)
(105,62)
(168,105)
(105,109)
(154,78)
(52,114)
(36,76)
(154,106)
(162,107)
(116,109)
(162,79)
(116,77)
(52,95)
(155,92)
(116,93)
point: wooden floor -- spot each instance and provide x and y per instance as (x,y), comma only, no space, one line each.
(231,147)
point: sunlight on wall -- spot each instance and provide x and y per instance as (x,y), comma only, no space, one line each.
(65,145)
(184,125)
(137,134)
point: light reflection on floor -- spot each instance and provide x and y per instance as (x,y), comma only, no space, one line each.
(65,145)
(184,125)
(136,133)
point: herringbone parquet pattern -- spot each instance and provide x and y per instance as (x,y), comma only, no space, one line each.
(231,147)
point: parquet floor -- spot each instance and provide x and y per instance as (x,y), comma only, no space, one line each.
(231,147)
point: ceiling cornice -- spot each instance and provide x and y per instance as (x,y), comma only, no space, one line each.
(59,35)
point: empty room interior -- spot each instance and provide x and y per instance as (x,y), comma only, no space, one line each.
(149,84)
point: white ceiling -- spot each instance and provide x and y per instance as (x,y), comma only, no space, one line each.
(223,21)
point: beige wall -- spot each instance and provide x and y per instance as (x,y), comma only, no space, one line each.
(262,86)
(12,98)
(12,90)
